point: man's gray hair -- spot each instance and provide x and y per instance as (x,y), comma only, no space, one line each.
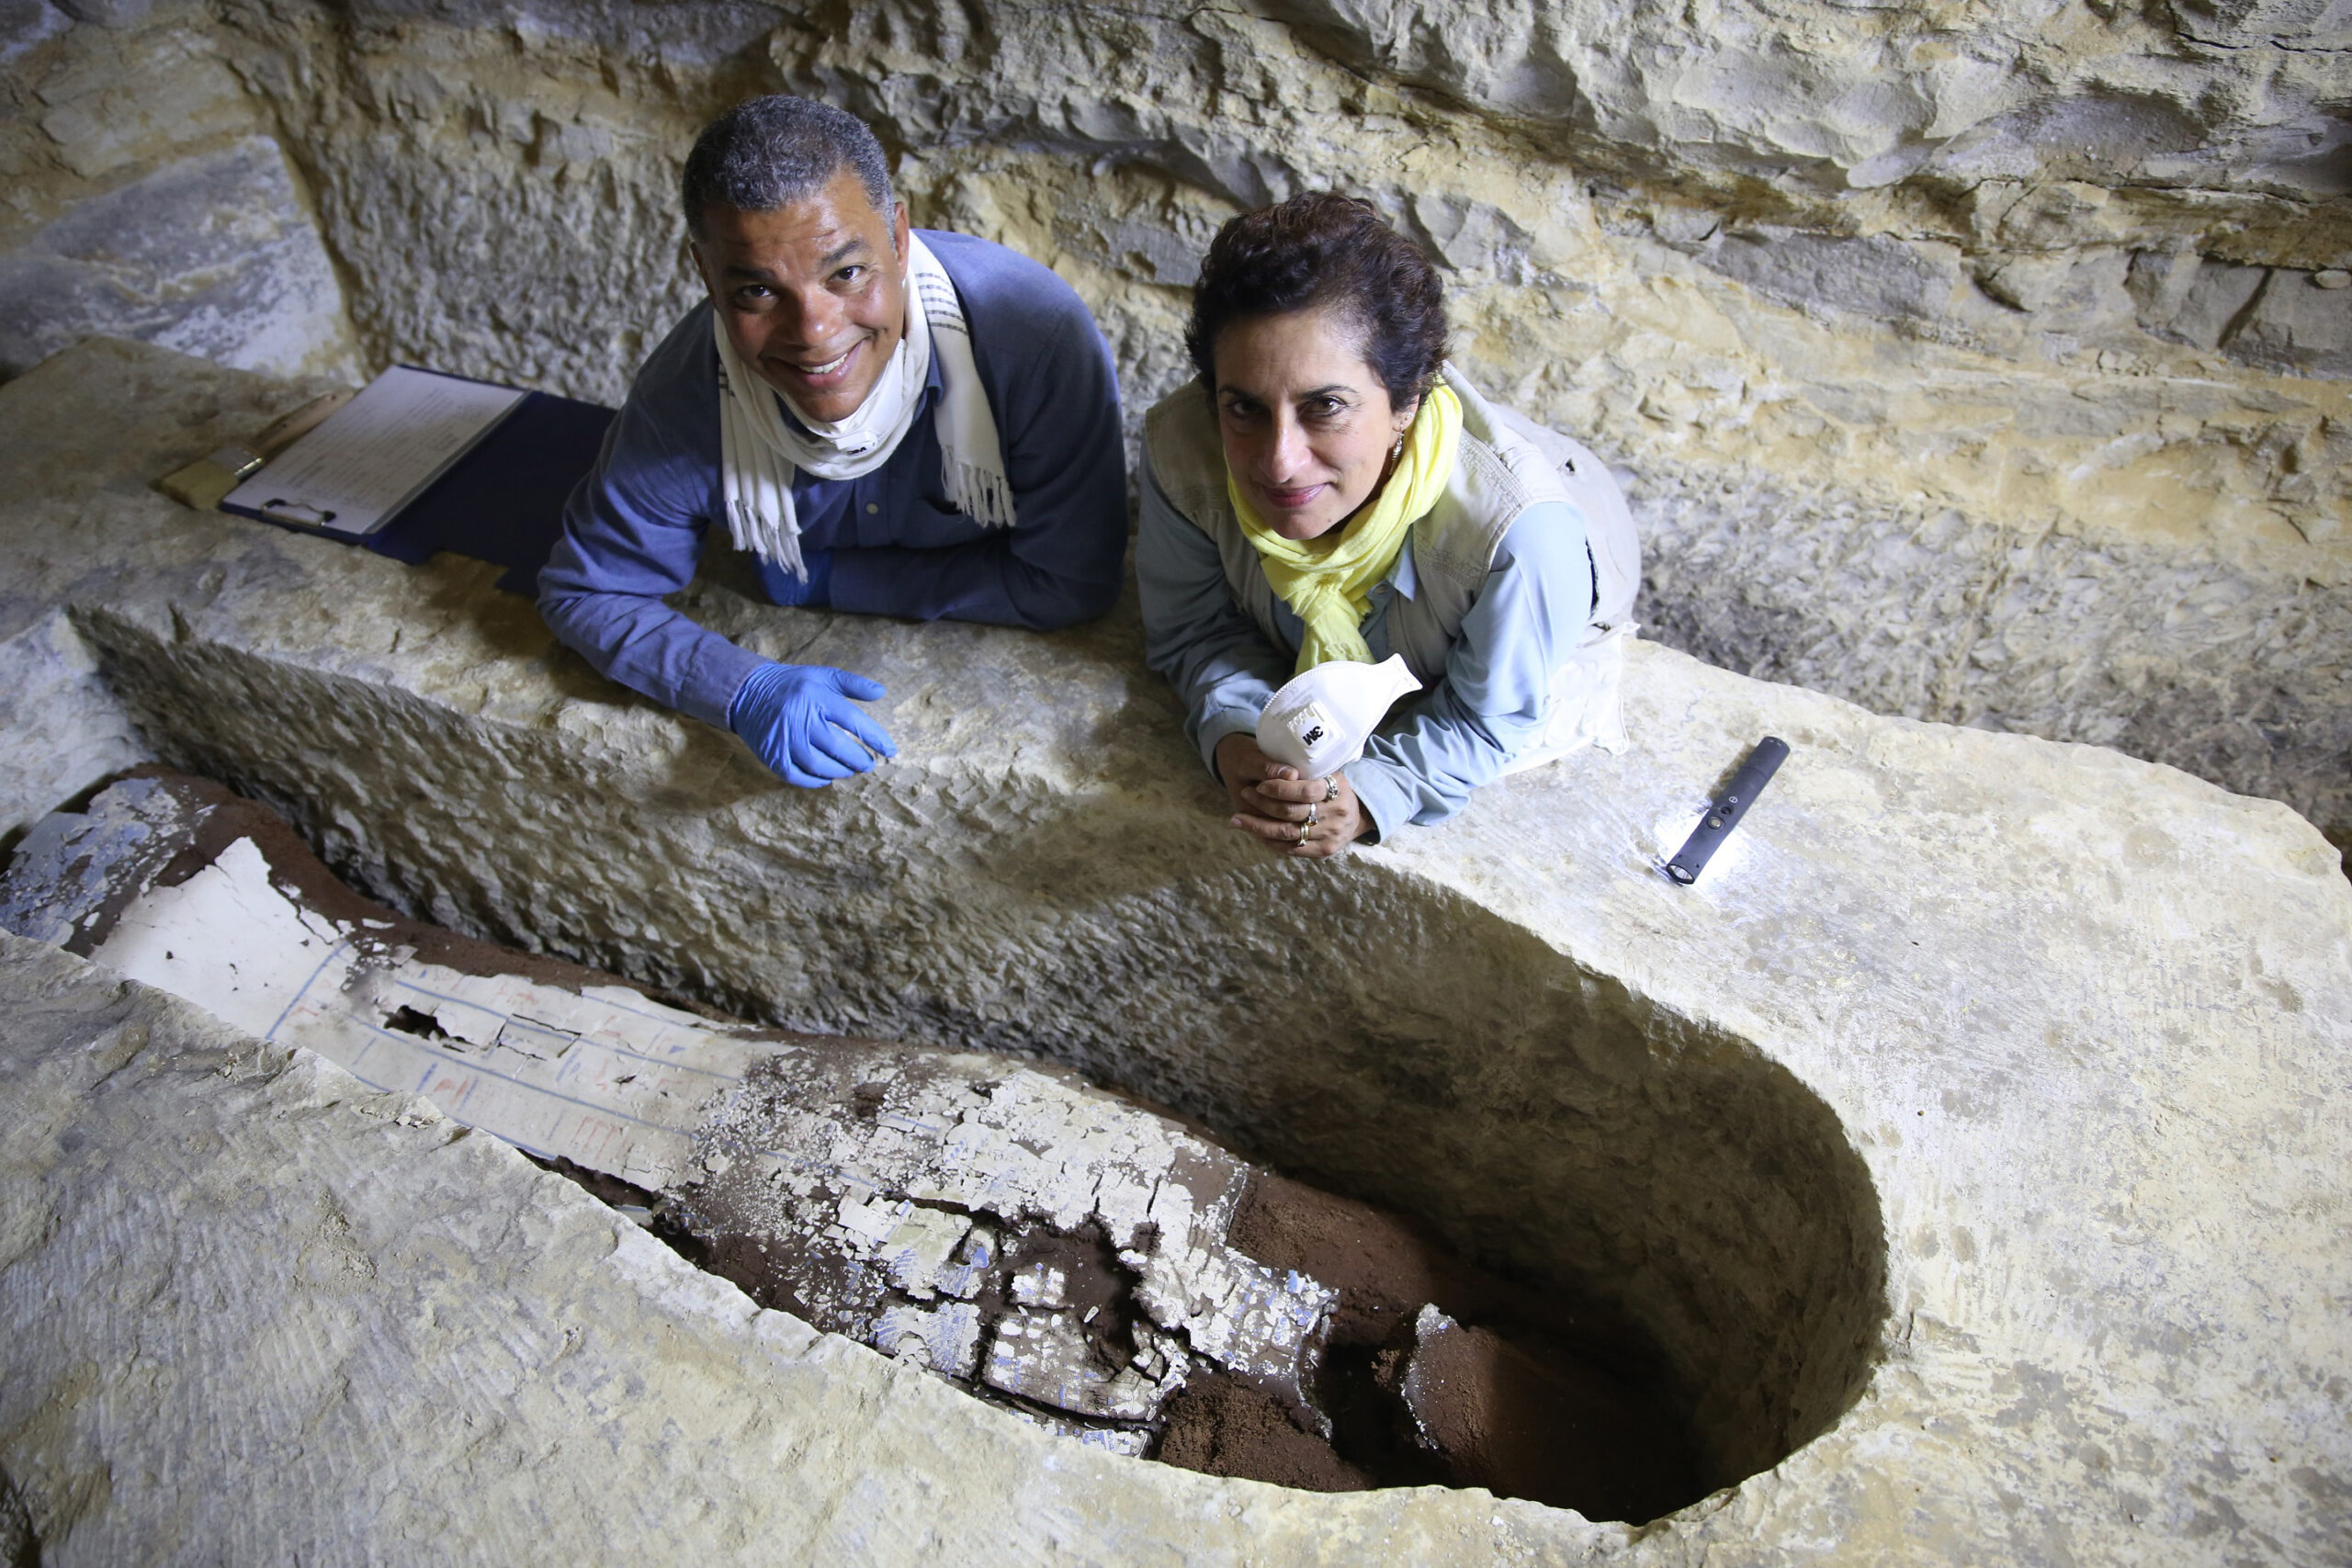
(768,152)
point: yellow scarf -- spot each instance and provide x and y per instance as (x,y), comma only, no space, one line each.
(1328,581)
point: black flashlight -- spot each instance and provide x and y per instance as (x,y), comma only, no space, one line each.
(1725,814)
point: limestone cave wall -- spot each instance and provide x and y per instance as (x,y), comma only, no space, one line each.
(1981,362)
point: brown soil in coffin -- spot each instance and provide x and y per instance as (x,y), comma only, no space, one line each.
(1220,1426)
(1386,1268)
(1543,1401)
(611,1189)
(1382,1267)
(1549,1429)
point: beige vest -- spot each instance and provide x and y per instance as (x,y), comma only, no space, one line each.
(1505,465)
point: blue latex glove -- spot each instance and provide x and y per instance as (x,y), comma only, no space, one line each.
(800,721)
(785,589)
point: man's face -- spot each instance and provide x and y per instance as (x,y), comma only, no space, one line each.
(813,295)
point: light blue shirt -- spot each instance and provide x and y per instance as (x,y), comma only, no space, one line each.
(1436,747)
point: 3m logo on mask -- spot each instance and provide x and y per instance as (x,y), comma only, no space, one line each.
(1320,719)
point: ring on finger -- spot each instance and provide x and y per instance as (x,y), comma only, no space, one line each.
(1331,788)
(1311,817)
(1302,832)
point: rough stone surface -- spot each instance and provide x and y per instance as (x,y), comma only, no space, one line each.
(2035,1054)
(1975,365)
(65,727)
(24,23)
(213,256)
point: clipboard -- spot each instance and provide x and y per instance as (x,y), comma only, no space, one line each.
(376,453)
(486,477)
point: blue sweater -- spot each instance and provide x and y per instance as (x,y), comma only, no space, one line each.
(633,527)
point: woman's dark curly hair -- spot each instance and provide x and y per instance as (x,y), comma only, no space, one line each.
(1323,250)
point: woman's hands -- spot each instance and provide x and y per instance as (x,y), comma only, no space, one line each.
(1305,817)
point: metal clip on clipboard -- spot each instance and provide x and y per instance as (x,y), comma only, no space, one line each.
(278,509)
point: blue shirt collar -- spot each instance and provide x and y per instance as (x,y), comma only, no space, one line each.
(1401,576)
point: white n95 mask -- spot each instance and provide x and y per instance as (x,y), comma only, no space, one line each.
(1319,721)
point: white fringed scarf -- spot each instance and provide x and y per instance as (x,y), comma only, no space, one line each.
(760,450)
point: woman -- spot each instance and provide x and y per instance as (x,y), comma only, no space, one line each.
(1329,487)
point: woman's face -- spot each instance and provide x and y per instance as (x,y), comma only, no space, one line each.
(1307,426)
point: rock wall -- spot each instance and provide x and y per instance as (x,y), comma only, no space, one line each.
(1984,363)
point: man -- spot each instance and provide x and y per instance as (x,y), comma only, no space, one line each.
(896,424)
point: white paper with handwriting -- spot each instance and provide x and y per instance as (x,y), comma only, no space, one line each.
(374,454)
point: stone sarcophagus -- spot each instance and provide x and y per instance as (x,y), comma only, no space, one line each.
(1969,1147)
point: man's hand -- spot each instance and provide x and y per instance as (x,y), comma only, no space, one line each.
(800,722)
(1285,811)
